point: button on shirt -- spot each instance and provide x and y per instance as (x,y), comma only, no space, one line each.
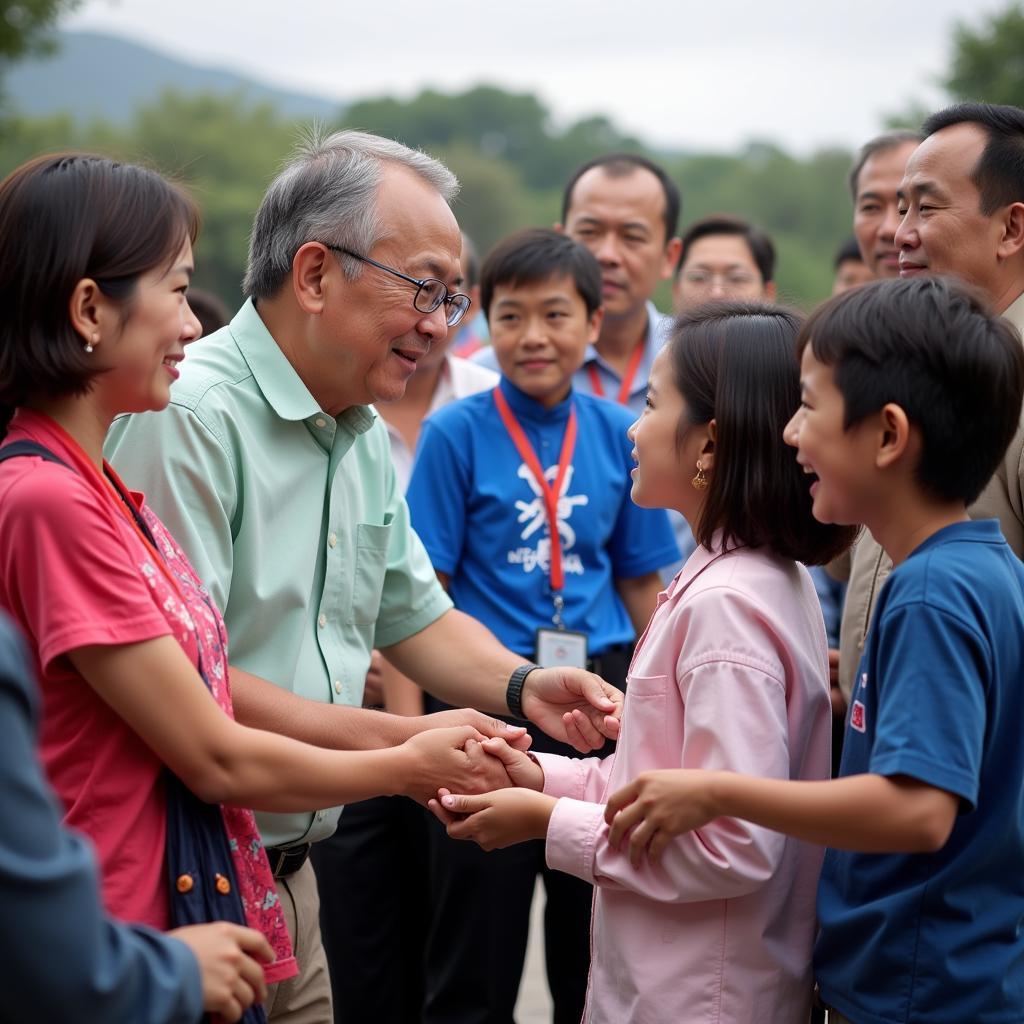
(291,516)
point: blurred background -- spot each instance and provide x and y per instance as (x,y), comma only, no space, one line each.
(754,112)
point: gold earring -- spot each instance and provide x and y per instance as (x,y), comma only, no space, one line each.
(700,481)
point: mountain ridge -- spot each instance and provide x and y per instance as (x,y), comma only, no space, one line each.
(100,75)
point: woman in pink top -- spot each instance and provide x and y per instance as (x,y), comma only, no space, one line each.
(731,674)
(130,651)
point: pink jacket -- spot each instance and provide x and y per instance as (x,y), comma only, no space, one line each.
(731,674)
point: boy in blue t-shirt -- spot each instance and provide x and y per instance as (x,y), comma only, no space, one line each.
(521,496)
(911,393)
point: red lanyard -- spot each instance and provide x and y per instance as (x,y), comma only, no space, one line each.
(626,388)
(549,491)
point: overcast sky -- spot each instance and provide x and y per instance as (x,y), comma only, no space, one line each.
(708,75)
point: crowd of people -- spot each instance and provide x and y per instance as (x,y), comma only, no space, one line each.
(433,574)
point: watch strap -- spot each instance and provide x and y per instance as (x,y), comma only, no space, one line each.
(514,693)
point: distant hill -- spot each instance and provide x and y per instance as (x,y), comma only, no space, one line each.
(93,74)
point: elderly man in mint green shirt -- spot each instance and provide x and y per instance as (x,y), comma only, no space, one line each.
(276,478)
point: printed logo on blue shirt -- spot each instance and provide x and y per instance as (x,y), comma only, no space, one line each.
(533,517)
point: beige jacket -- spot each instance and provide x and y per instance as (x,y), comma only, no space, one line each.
(1002,499)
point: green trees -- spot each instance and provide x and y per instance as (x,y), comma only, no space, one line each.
(24,23)
(988,61)
(511,156)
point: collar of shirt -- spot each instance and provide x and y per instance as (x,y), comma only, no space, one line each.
(529,410)
(698,561)
(282,387)
(658,325)
(1015,313)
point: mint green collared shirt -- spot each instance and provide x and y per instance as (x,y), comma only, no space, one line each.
(291,517)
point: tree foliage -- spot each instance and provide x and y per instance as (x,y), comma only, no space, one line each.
(511,157)
(988,61)
(24,25)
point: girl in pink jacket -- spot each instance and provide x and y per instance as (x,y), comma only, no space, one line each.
(731,674)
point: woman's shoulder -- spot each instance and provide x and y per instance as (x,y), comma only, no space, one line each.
(34,486)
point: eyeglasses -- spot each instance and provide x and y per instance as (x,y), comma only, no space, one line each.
(430,292)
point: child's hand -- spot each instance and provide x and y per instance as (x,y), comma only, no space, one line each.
(495,820)
(655,807)
(522,769)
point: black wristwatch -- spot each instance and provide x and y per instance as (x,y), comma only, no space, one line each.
(514,693)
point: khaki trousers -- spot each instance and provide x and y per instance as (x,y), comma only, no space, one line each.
(305,999)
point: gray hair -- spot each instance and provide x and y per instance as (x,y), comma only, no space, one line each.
(880,144)
(328,193)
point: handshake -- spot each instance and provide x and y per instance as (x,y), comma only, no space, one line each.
(486,761)
(499,783)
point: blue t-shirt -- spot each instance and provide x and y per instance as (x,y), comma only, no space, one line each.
(939,697)
(481,517)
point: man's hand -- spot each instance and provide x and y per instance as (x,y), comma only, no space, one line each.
(655,807)
(451,758)
(495,820)
(515,735)
(229,965)
(572,705)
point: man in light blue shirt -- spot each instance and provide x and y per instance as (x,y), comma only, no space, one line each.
(275,476)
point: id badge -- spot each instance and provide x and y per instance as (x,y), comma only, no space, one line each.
(561,648)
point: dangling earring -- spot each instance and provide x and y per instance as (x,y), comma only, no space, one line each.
(700,481)
(92,342)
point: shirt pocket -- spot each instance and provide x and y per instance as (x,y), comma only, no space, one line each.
(645,717)
(371,566)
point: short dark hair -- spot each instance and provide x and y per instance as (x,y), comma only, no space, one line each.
(880,144)
(621,165)
(932,346)
(849,250)
(761,247)
(536,254)
(735,363)
(999,173)
(63,218)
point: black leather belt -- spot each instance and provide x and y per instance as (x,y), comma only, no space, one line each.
(287,860)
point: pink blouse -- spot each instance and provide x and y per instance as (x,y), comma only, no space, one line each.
(731,674)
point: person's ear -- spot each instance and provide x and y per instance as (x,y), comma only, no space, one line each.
(894,435)
(309,270)
(1012,241)
(594,322)
(769,291)
(93,316)
(558,227)
(707,453)
(672,251)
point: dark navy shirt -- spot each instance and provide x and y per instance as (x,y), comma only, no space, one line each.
(939,697)
(481,516)
(64,960)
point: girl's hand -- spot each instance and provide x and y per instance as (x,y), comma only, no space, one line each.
(522,769)
(655,807)
(495,820)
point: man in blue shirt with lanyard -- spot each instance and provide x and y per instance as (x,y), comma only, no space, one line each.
(521,496)
(624,208)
